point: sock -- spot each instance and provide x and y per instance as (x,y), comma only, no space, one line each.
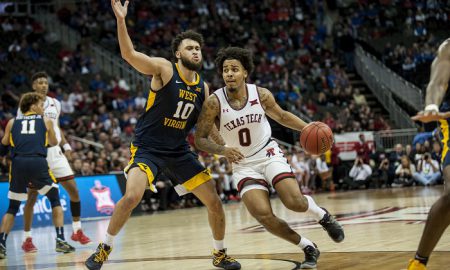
(26,234)
(3,237)
(218,244)
(304,242)
(76,225)
(314,209)
(423,260)
(109,239)
(60,233)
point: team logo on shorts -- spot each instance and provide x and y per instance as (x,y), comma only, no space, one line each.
(270,152)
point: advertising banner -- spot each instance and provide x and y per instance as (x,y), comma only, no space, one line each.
(98,195)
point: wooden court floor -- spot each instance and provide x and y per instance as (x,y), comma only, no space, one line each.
(382,228)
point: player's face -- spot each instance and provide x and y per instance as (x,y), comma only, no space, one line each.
(40,85)
(190,54)
(234,74)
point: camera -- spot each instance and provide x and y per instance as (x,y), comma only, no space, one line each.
(426,157)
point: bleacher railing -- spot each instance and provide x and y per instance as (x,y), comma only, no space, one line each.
(404,90)
(387,139)
(108,62)
(374,81)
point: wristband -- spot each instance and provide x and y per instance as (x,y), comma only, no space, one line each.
(67,147)
(432,107)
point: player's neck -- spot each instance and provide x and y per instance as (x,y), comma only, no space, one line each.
(240,92)
(189,75)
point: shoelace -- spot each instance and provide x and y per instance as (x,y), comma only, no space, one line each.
(101,255)
(223,256)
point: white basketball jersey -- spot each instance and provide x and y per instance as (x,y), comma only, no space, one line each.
(52,108)
(247,128)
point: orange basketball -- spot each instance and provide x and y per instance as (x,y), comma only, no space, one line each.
(316,138)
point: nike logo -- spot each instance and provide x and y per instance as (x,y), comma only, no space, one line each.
(177,81)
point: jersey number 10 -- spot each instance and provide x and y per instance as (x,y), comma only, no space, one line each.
(28,127)
(187,110)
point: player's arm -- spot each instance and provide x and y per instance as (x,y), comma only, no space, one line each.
(6,138)
(437,87)
(141,62)
(65,145)
(214,133)
(205,123)
(51,136)
(274,111)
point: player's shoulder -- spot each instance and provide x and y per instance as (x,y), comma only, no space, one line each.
(263,92)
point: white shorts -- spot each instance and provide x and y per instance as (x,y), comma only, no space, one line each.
(58,164)
(267,167)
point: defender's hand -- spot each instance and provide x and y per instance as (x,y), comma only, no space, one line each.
(120,10)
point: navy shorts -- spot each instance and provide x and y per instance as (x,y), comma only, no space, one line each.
(182,169)
(29,172)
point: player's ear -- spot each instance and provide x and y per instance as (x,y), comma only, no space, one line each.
(178,54)
(245,74)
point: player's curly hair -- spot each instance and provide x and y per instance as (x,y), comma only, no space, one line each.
(244,56)
(38,75)
(189,34)
(29,99)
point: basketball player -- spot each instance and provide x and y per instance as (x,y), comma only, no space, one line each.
(174,102)
(59,166)
(439,216)
(240,110)
(28,136)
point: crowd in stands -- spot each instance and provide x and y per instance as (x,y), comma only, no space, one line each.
(304,62)
(414,22)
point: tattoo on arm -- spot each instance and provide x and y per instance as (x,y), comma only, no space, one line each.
(205,124)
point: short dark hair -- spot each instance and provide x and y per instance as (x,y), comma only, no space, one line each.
(244,56)
(29,99)
(38,75)
(189,34)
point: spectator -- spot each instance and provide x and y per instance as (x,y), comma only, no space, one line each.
(404,173)
(360,174)
(428,172)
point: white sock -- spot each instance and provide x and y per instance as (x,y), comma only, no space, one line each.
(109,239)
(304,242)
(218,244)
(76,225)
(314,209)
(26,234)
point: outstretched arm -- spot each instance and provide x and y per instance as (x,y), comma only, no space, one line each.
(437,87)
(141,62)
(274,111)
(205,124)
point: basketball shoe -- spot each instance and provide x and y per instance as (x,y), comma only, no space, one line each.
(96,260)
(416,265)
(28,246)
(63,246)
(333,228)
(222,260)
(79,236)
(2,251)
(312,254)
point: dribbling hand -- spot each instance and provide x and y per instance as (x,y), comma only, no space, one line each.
(120,10)
(233,154)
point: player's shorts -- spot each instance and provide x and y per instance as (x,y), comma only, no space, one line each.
(184,170)
(58,164)
(265,169)
(29,172)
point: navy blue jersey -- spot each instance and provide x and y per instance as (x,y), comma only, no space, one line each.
(28,136)
(170,114)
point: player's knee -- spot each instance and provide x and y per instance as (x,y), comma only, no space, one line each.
(74,195)
(53,197)
(215,206)
(267,219)
(297,204)
(13,207)
(131,199)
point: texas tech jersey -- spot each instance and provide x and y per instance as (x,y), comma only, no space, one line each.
(247,128)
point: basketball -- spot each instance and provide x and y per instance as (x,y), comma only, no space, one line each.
(316,138)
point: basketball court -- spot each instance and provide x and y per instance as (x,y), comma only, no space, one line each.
(382,232)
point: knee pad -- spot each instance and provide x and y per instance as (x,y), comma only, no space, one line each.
(13,207)
(53,197)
